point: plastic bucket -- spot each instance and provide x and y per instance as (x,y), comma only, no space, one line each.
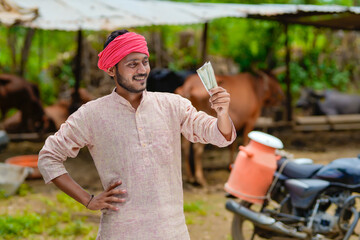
(11,177)
(26,161)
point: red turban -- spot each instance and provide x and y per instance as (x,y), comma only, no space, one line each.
(121,46)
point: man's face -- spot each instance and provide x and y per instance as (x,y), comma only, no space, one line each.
(132,71)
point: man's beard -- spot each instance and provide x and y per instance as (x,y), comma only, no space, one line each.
(122,82)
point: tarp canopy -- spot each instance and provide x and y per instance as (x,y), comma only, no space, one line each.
(97,15)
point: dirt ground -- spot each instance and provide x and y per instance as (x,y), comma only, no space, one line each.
(213,221)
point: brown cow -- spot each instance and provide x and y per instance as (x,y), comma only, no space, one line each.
(62,109)
(16,92)
(248,95)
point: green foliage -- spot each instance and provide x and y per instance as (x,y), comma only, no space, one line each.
(20,225)
(53,222)
(319,77)
(26,224)
(24,190)
(2,194)
(195,207)
(194,212)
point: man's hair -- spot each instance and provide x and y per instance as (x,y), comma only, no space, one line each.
(113,35)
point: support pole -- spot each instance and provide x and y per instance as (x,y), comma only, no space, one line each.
(76,101)
(204,43)
(41,48)
(287,75)
(78,61)
(26,50)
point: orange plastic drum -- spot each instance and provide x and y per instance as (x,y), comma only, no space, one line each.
(254,168)
(26,161)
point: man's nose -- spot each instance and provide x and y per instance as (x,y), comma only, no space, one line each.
(141,68)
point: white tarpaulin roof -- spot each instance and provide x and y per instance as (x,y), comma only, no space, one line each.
(96,15)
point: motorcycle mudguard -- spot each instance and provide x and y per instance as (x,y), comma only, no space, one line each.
(303,192)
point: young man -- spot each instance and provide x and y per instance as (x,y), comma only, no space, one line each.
(134,139)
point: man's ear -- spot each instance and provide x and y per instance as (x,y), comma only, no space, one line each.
(111,71)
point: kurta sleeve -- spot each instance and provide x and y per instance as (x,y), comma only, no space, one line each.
(67,142)
(198,126)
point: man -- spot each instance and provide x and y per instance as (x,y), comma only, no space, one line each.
(134,139)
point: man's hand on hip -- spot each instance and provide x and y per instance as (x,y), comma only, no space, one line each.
(106,199)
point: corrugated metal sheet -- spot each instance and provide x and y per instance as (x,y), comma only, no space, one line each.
(10,13)
(96,15)
(111,14)
(280,9)
(355,10)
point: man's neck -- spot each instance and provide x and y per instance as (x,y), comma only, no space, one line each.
(133,98)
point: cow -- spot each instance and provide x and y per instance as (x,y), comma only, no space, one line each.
(249,93)
(16,92)
(62,109)
(329,102)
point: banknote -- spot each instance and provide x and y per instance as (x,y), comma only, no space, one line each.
(207,76)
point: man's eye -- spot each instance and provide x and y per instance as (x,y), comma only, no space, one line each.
(132,65)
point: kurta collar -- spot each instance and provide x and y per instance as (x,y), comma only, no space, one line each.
(125,102)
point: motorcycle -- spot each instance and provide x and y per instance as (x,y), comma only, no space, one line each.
(274,197)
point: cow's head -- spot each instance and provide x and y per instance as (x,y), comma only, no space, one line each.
(309,101)
(273,94)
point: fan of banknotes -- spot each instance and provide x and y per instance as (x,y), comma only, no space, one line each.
(207,76)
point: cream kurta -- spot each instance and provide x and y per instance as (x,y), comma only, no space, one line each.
(140,147)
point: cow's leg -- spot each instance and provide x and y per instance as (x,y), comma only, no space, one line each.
(249,126)
(199,173)
(2,117)
(232,149)
(185,145)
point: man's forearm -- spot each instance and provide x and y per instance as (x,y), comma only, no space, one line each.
(72,188)
(225,126)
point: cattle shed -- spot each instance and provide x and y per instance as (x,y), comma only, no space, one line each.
(95,15)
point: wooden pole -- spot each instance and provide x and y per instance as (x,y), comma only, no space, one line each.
(204,43)
(75,101)
(78,61)
(157,43)
(11,41)
(287,75)
(26,50)
(41,48)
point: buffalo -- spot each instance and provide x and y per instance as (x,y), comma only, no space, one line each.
(328,102)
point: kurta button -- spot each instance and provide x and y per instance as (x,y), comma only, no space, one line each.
(139,128)
(144,145)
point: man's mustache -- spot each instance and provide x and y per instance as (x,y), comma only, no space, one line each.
(141,75)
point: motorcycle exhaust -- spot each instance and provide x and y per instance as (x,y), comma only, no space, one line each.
(264,221)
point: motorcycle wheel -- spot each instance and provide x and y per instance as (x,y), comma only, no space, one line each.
(241,228)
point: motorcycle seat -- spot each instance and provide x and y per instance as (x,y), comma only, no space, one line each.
(295,170)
